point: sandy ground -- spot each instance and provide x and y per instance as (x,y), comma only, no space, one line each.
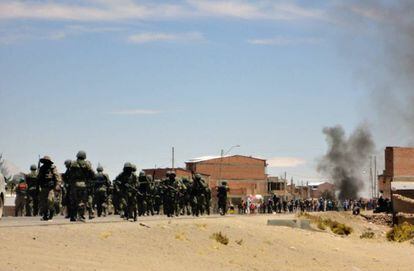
(185,244)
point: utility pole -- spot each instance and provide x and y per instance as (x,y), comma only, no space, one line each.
(172,160)
(371,177)
(375,177)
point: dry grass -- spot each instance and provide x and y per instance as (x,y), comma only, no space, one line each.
(367,235)
(220,238)
(401,233)
(239,242)
(106,234)
(324,223)
(181,236)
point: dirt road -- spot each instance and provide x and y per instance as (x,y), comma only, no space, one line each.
(186,244)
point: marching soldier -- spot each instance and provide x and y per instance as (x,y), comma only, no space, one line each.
(80,177)
(169,193)
(66,190)
(222,191)
(102,186)
(126,185)
(49,182)
(32,201)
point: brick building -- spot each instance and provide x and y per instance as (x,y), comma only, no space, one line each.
(160,173)
(316,189)
(399,166)
(277,186)
(397,182)
(312,190)
(245,175)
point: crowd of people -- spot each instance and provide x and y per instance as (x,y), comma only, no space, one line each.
(277,204)
(80,192)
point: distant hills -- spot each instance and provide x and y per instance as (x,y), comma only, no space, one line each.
(9,170)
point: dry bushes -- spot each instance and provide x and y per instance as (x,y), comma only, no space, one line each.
(324,223)
(401,233)
(367,235)
(221,238)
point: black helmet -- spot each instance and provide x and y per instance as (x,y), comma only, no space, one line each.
(81,155)
(128,165)
(99,169)
(33,167)
(67,163)
(46,160)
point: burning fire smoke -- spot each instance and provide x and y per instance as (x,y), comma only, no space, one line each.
(345,159)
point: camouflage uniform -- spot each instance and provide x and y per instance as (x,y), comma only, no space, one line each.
(32,201)
(80,177)
(169,194)
(157,197)
(144,195)
(20,201)
(49,182)
(127,185)
(66,190)
(102,186)
(198,193)
(207,193)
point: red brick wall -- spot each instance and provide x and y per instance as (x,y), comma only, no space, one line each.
(244,175)
(233,167)
(161,172)
(399,161)
(384,185)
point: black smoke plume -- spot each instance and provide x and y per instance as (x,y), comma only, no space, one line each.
(346,158)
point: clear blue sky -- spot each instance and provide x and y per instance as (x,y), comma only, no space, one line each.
(126,80)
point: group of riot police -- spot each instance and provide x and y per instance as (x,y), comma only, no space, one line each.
(81,191)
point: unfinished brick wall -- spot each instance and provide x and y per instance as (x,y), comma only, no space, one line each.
(399,162)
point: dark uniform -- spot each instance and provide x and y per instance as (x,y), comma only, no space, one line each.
(32,201)
(222,191)
(102,186)
(80,177)
(198,194)
(207,192)
(144,193)
(169,194)
(66,190)
(49,182)
(126,185)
